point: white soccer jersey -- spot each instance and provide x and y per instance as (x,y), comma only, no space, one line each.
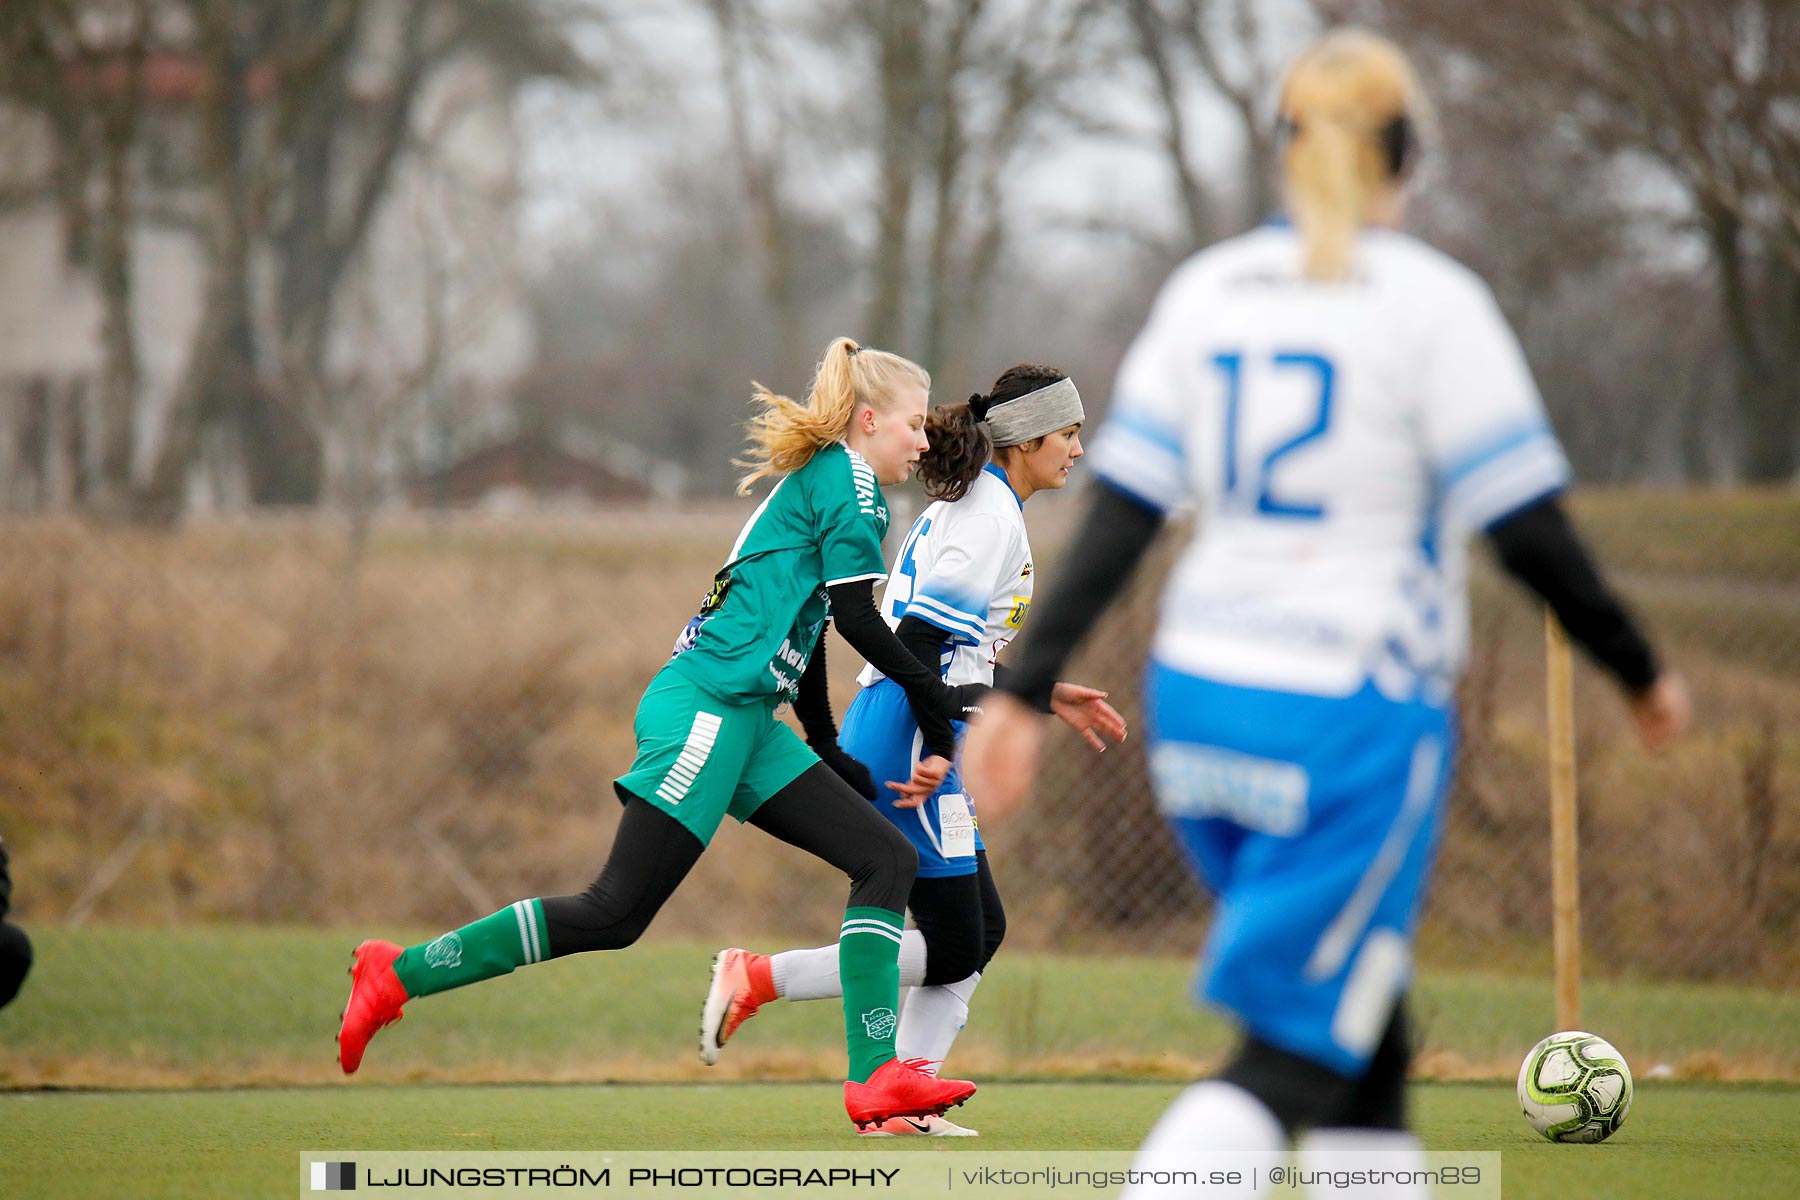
(1342,442)
(966,568)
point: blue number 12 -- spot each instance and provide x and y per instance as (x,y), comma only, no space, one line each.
(1232,365)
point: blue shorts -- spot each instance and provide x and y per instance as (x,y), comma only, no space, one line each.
(879,729)
(1314,821)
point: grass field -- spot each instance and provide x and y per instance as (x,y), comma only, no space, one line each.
(129,1053)
(1682,1140)
(116,1007)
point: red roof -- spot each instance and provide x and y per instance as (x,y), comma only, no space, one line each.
(167,76)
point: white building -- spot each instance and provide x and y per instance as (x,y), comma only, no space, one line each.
(431,324)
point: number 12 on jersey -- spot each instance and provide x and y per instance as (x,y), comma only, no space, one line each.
(1245,479)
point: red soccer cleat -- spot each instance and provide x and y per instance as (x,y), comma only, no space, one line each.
(376,995)
(902,1089)
(742,982)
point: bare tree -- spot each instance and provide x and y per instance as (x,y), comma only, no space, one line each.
(1703,91)
(996,94)
(901,60)
(293,164)
(964,87)
(80,69)
(759,154)
(1225,48)
(313,183)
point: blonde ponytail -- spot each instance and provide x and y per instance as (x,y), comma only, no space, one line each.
(785,435)
(1338,101)
(1328,195)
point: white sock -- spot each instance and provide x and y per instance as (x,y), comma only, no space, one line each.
(1208,1118)
(1364,1149)
(813,974)
(932,1018)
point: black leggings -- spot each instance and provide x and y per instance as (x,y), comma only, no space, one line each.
(962,921)
(653,852)
(1303,1094)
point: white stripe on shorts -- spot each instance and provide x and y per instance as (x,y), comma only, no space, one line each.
(701,736)
(1341,935)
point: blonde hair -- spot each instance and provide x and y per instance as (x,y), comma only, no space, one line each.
(784,435)
(1338,101)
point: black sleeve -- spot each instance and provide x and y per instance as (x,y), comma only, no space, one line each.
(1540,549)
(812,705)
(1107,548)
(925,642)
(5,884)
(812,700)
(933,704)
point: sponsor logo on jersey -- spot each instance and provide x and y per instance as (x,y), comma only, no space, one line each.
(445,952)
(1015,616)
(880,1023)
(709,608)
(1026,573)
(867,493)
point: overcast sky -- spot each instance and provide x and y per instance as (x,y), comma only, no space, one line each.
(584,155)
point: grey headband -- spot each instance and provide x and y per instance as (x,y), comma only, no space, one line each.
(1035,414)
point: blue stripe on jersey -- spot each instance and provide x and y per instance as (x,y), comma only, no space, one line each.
(946,618)
(1156,435)
(1489,450)
(1523,476)
(1503,474)
(1146,469)
(1136,494)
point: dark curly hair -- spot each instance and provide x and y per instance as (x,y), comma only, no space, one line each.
(959,440)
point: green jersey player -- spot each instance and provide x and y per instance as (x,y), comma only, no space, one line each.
(709,744)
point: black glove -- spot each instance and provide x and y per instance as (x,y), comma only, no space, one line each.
(850,770)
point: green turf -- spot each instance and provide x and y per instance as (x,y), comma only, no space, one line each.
(197,1006)
(1682,1140)
(119,1006)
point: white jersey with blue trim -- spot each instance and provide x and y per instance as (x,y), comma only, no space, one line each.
(1342,441)
(966,568)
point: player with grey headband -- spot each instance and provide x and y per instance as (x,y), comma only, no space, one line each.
(1031,416)
(958,592)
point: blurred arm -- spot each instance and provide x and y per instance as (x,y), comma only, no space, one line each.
(1540,549)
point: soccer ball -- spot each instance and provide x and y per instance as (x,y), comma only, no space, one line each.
(1574,1087)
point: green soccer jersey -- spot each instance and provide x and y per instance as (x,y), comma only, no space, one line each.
(757,627)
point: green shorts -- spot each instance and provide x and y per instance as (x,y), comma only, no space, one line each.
(700,758)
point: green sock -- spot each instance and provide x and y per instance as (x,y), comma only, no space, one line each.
(492,946)
(869,967)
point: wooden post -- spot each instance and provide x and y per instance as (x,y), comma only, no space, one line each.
(1565,877)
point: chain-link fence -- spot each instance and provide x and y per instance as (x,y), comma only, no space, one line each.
(1690,861)
(405,726)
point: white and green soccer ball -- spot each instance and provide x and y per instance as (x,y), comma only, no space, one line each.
(1575,1087)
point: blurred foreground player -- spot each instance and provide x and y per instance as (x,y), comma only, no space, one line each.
(1347,406)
